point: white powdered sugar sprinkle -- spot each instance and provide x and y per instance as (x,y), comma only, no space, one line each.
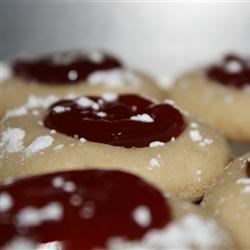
(32,103)
(20,243)
(72,75)
(101,114)
(6,202)
(61,109)
(246,183)
(156,144)
(142,118)
(115,78)
(67,186)
(12,140)
(40,143)
(196,136)
(31,216)
(109,96)
(96,56)
(58,147)
(82,140)
(154,162)
(142,216)
(233,67)
(84,102)
(16,112)
(192,230)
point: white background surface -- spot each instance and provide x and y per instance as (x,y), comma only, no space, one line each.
(159,37)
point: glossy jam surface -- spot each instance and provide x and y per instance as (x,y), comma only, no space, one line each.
(234,71)
(64,67)
(126,120)
(248,169)
(81,210)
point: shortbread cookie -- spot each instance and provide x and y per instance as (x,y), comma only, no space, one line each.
(219,95)
(229,199)
(128,132)
(100,209)
(72,72)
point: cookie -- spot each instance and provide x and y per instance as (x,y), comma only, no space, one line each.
(128,132)
(72,72)
(93,209)
(219,95)
(229,199)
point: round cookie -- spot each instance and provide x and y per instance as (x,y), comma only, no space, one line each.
(98,209)
(156,141)
(72,72)
(229,199)
(219,95)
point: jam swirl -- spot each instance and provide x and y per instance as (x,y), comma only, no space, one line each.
(234,71)
(127,121)
(81,210)
(64,67)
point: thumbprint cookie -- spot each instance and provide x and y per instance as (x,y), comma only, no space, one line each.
(72,72)
(220,95)
(154,140)
(229,199)
(101,209)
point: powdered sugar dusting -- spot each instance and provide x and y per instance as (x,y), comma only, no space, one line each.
(61,109)
(192,230)
(84,102)
(12,140)
(142,118)
(115,78)
(67,186)
(6,202)
(109,96)
(156,144)
(142,216)
(96,56)
(58,147)
(40,143)
(154,162)
(233,67)
(31,216)
(196,136)
(246,183)
(20,243)
(32,103)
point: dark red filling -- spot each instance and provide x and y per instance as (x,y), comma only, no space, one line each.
(116,128)
(62,68)
(248,169)
(233,71)
(102,206)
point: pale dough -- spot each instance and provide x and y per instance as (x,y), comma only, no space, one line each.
(224,108)
(229,200)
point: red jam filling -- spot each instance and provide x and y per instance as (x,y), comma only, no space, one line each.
(234,71)
(64,67)
(94,207)
(128,121)
(248,169)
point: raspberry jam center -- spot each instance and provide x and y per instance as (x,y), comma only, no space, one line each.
(125,120)
(64,67)
(234,71)
(80,210)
